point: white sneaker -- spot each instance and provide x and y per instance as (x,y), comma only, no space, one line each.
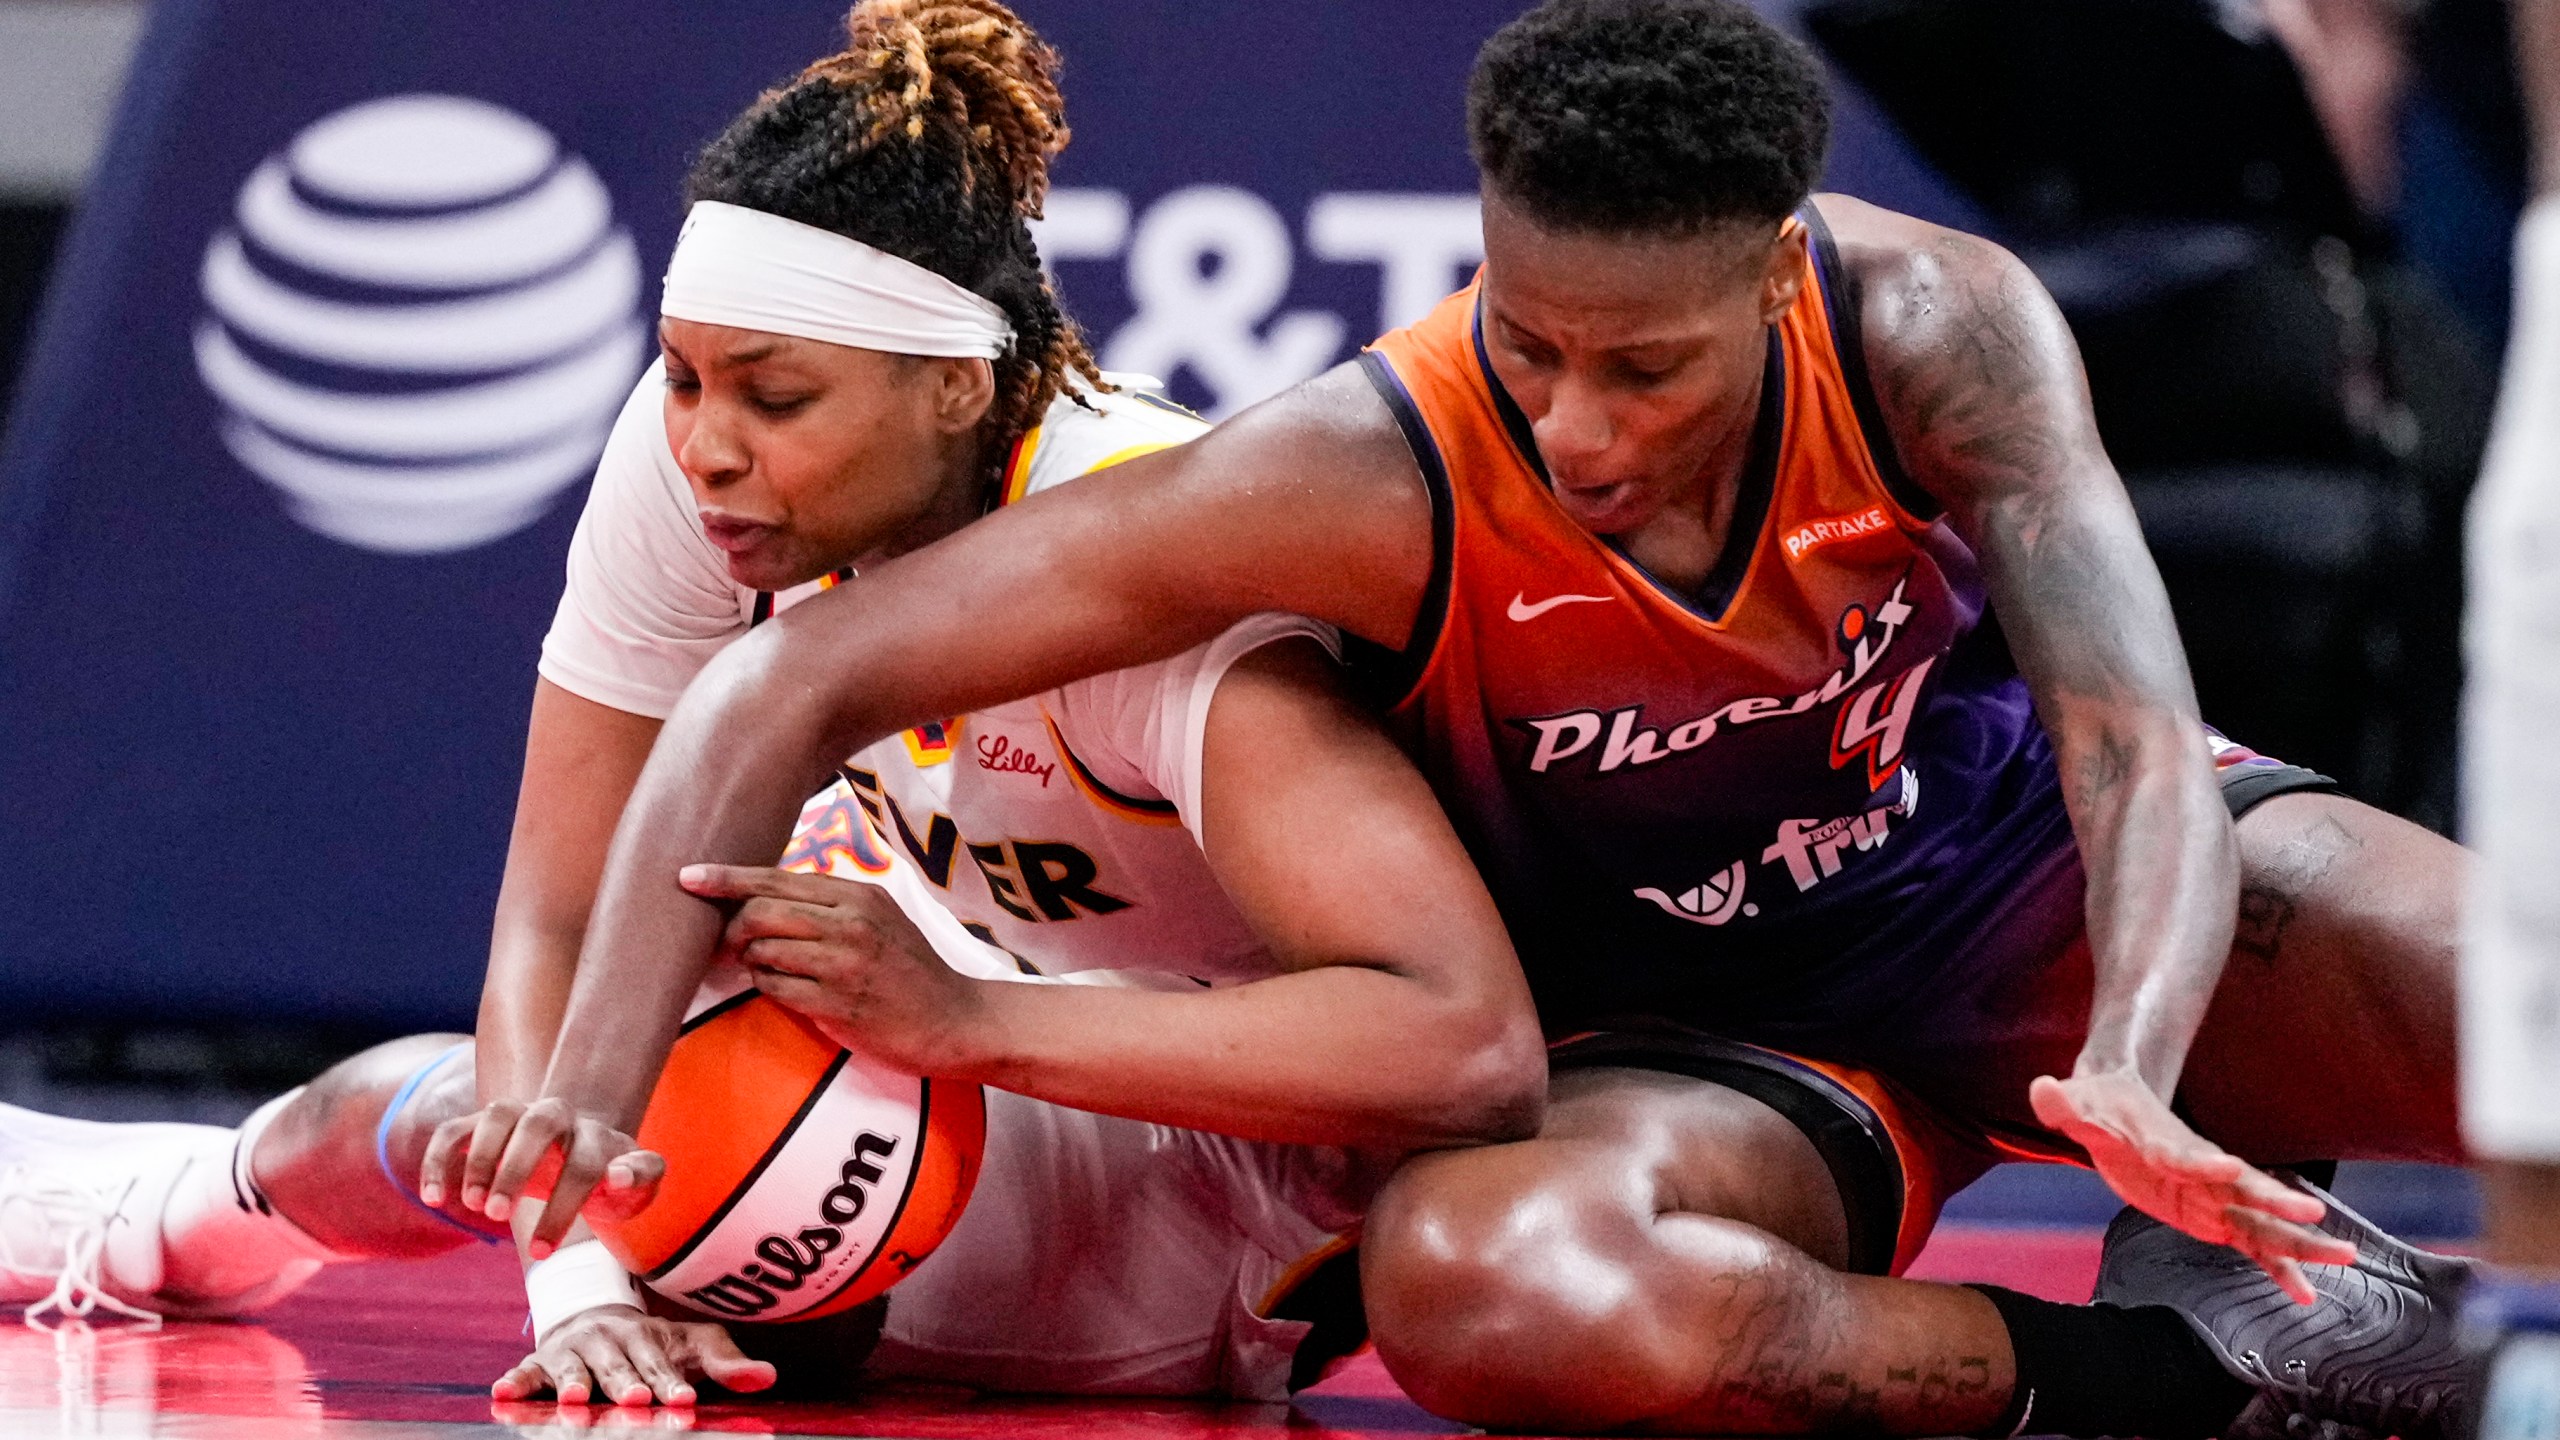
(80,1211)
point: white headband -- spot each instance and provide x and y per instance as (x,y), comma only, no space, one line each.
(742,267)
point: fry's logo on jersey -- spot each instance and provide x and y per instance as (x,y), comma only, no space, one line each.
(1872,726)
(1812,851)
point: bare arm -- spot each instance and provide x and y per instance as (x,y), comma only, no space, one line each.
(1403,1021)
(581,760)
(1309,503)
(1981,384)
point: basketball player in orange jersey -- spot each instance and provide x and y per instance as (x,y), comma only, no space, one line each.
(1747,575)
(861,354)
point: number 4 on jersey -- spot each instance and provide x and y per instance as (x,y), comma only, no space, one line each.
(1876,721)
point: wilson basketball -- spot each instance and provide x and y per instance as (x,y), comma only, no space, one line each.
(802,1179)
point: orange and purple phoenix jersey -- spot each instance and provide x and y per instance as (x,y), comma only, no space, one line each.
(1778,805)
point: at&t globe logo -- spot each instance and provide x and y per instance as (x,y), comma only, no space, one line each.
(422,323)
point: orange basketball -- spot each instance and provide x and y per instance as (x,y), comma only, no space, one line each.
(802,1179)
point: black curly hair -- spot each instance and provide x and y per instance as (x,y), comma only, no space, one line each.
(928,136)
(1647,116)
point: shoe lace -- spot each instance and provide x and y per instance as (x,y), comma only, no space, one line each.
(75,1221)
(2384,1410)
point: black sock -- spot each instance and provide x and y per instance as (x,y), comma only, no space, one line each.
(2096,1370)
(2323,1173)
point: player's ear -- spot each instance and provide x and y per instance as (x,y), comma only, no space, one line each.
(964,389)
(1784,277)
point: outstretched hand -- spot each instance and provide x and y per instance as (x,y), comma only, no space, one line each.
(2160,1166)
(508,1152)
(617,1355)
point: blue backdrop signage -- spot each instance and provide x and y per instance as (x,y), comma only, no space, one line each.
(333,345)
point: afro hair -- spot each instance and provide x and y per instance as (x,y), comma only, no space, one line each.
(1647,116)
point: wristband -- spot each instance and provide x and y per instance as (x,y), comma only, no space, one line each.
(575,1279)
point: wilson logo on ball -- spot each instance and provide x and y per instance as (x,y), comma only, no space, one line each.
(785,1262)
(422,323)
(802,1179)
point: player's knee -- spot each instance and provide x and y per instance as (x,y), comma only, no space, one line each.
(334,1121)
(1515,1309)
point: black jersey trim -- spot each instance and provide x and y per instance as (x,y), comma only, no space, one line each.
(1328,1300)
(1841,300)
(1388,678)
(817,1093)
(2249,789)
(1855,1143)
(1759,483)
(763,610)
(1085,773)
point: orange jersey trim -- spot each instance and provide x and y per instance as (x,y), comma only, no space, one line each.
(1017,466)
(1299,1269)
(1017,474)
(1143,447)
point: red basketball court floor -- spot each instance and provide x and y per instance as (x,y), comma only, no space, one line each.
(406,1351)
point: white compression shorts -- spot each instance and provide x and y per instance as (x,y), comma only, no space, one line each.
(1102,1256)
(1097,1255)
(2511,755)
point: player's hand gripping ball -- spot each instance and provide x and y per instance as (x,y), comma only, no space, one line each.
(801,1179)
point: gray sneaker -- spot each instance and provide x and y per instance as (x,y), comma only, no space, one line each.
(2379,1356)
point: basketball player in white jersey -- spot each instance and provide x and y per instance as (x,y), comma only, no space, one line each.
(860,356)
(2511,949)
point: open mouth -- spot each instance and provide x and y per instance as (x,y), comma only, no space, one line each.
(733,535)
(1597,505)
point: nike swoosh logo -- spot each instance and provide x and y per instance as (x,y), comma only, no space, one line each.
(1521,610)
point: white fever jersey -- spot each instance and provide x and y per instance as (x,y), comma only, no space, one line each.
(2511,770)
(1061,829)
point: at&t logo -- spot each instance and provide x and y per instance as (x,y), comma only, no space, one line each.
(422,323)
(1208,268)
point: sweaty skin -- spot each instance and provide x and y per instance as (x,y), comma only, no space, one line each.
(1633,359)
(1403,1021)
(795,480)
(1312,503)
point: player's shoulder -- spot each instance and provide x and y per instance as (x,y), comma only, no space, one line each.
(1312,498)
(1094,428)
(1973,366)
(1913,276)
